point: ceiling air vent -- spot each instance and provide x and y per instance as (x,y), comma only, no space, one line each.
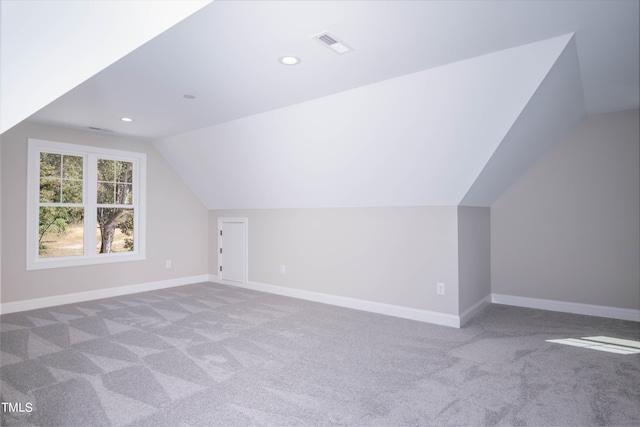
(328,39)
(99,129)
(332,42)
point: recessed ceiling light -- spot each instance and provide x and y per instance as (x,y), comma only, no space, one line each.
(289,60)
(126,119)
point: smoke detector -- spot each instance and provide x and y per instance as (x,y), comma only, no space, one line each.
(332,42)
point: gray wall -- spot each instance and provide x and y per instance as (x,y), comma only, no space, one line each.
(1,218)
(176,225)
(568,229)
(392,255)
(474,255)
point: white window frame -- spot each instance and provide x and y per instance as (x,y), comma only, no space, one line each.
(90,155)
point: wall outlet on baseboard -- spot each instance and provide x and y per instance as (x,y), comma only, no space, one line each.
(283,269)
(167,263)
(440,288)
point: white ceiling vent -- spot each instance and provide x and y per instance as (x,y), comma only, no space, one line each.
(99,129)
(332,42)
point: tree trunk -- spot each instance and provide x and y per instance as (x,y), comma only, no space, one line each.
(108,230)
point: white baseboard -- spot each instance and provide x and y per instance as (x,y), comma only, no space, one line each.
(568,307)
(32,304)
(354,303)
(469,313)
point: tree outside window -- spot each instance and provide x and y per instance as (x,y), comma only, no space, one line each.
(115,198)
(61,212)
(74,189)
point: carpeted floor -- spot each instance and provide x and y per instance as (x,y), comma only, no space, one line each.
(207,354)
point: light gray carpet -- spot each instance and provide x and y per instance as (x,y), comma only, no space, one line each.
(207,354)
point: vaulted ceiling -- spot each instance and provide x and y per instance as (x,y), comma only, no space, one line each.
(438,103)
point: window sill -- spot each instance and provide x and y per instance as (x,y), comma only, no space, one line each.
(62,262)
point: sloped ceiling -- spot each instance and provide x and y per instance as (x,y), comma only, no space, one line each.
(553,110)
(49,47)
(226,56)
(419,139)
(440,102)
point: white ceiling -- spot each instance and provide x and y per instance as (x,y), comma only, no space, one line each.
(439,103)
(417,140)
(48,47)
(226,55)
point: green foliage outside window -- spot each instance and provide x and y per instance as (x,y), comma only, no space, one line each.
(115,187)
(60,184)
(61,216)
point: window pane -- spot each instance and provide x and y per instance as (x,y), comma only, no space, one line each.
(105,193)
(106,169)
(59,170)
(60,232)
(78,193)
(124,194)
(71,191)
(49,190)
(50,165)
(124,171)
(115,230)
(72,167)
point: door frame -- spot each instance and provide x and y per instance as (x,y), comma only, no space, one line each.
(245,223)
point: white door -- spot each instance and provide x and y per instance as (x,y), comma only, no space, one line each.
(232,259)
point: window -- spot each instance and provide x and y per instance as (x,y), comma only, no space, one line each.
(86,205)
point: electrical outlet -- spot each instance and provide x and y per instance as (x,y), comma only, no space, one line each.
(167,263)
(282,269)
(440,288)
